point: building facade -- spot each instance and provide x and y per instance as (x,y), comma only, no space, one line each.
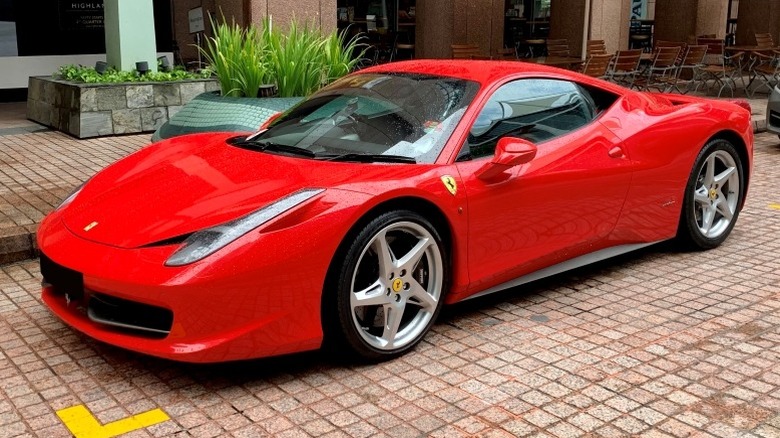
(73,28)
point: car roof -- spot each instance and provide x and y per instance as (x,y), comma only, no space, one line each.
(486,71)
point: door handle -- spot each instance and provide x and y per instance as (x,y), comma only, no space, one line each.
(617,152)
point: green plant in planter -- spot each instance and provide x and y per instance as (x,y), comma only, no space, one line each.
(298,61)
(80,73)
(303,59)
(236,56)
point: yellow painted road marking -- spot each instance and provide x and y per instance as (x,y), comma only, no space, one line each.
(82,424)
(774,206)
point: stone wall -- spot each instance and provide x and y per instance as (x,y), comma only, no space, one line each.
(93,110)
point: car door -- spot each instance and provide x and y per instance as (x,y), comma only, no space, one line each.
(561,204)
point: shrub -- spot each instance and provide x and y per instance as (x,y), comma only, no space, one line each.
(303,59)
(236,56)
(80,73)
(298,61)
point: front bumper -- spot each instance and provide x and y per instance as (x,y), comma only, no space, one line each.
(773,111)
(246,301)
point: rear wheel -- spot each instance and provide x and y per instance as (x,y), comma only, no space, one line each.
(713,196)
(391,285)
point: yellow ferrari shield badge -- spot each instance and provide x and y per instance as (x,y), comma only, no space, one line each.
(397,285)
(449,183)
(90,226)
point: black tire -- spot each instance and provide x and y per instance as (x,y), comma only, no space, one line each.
(360,329)
(709,201)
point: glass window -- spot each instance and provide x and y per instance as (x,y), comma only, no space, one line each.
(403,115)
(533,109)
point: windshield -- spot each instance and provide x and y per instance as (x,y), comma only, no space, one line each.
(398,115)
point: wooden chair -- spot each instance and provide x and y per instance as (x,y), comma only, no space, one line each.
(596,47)
(720,67)
(558,48)
(765,73)
(625,67)
(760,63)
(765,40)
(764,66)
(663,69)
(681,44)
(465,51)
(506,54)
(597,65)
(689,70)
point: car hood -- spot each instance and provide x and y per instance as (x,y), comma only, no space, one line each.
(186,184)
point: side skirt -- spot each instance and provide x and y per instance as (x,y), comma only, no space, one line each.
(568,265)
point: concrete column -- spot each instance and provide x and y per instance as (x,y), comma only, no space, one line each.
(679,20)
(130,37)
(567,20)
(436,24)
(711,17)
(757,16)
(609,21)
(675,20)
(233,10)
(321,13)
(441,23)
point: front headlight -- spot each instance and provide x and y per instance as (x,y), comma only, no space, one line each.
(210,240)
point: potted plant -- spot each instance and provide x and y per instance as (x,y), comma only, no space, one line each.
(251,63)
(95,101)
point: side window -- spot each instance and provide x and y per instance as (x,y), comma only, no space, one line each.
(533,109)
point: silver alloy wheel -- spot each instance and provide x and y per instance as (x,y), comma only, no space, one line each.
(716,194)
(396,286)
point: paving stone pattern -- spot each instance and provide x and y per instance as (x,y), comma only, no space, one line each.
(655,344)
(38,169)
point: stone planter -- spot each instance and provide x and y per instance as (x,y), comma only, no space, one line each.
(93,110)
(211,112)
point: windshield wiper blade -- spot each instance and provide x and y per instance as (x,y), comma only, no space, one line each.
(264,145)
(368,158)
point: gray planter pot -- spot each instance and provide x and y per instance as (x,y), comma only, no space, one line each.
(93,110)
(211,112)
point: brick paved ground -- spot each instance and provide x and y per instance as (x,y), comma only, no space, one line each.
(38,168)
(656,344)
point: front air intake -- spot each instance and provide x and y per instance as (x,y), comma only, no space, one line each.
(129,315)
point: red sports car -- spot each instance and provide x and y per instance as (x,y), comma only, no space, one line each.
(353,217)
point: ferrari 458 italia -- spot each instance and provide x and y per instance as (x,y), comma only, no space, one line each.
(352,218)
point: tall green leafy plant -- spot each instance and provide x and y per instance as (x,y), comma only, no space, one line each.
(302,59)
(341,56)
(292,59)
(299,60)
(236,55)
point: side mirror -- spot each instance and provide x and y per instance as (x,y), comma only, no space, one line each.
(510,152)
(270,120)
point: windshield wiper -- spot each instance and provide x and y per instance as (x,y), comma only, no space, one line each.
(264,145)
(368,158)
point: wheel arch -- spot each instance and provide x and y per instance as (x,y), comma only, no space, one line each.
(424,207)
(739,144)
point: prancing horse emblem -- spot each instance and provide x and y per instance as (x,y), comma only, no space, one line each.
(91,225)
(449,183)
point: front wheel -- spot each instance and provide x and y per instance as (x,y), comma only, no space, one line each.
(391,285)
(713,196)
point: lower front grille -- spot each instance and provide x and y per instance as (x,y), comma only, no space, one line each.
(64,281)
(130,315)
